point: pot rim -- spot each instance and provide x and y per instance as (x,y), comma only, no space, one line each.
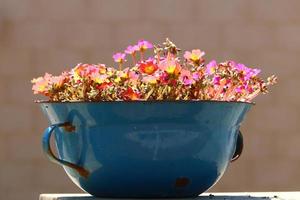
(148,101)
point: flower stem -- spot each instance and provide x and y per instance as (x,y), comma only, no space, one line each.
(120,66)
(142,55)
(133,59)
(157,58)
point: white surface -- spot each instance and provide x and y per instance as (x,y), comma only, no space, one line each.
(205,196)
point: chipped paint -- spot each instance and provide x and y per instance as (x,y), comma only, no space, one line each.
(182,182)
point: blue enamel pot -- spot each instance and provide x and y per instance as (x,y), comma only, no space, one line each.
(144,149)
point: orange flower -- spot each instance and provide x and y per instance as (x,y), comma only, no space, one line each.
(83,71)
(104,86)
(195,57)
(130,94)
(148,67)
(171,66)
(102,68)
(79,70)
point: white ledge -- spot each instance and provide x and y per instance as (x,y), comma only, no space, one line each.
(204,196)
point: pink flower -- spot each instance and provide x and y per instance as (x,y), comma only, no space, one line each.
(197,75)
(246,71)
(164,77)
(119,57)
(92,69)
(194,57)
(151,59)
(241,67)
(132,49)
(133,76)
(240,89)
(79,70)
(253,72)
(249,88)
(143,45)
(186,77)
(170,65)
(41,85)
(211,67)
(217,80)
(58,81)
(85,71)
(231,63)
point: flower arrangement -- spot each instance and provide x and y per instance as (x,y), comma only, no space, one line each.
(164,76)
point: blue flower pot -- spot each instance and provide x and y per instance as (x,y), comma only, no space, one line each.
(144,149)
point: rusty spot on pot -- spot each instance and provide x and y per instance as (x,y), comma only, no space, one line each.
(68,127)
(83,172)
(80,170)
(182,182)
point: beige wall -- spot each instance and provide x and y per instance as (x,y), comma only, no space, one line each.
(42,35)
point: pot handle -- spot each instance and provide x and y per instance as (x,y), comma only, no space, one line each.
(49,153)
(239,147)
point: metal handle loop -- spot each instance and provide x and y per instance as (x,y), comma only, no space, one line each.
(49,153)
(239,147)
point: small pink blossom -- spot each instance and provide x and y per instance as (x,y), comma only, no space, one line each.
(58,81)
(249,88)
(133,76)
(170,65)
(211,67)
(92,69)
(186,77)
(253,72)
(196,76)
(85,70)
(164,77)
(119,57)
(217,80)
(246,71)
(41,85)
(132,49)
(143,45)
(195,57)
(240,89)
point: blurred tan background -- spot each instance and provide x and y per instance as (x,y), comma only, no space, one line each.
(38,36)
